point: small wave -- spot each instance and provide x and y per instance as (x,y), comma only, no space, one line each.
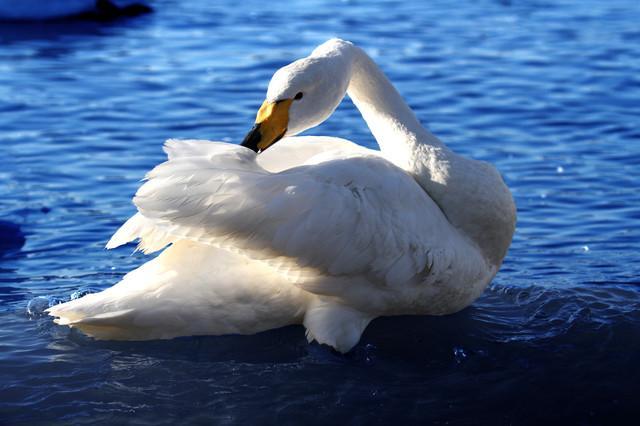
(536,314)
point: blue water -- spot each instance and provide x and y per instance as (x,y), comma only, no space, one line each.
(549,92)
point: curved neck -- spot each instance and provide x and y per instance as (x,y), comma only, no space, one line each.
(393,124)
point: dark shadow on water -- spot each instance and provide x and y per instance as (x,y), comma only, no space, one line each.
(451,361)
(11,238)
(14,32)
(391,338)
(84,25)
(282,345)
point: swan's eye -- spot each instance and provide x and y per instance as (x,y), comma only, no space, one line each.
(298,96)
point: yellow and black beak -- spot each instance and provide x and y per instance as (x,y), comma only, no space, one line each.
(271,125)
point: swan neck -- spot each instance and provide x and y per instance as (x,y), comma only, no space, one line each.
(391,121)
(453,182)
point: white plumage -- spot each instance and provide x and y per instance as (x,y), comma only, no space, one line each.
(314,230)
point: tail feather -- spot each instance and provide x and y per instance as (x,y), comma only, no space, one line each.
(105,325)
(114,318)
(151,237)
(189,289)
(127,232)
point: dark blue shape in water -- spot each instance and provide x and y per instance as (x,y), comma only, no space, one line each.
(11,237)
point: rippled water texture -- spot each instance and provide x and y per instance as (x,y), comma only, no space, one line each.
(547,91)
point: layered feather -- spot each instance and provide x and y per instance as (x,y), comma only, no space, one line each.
(345,214)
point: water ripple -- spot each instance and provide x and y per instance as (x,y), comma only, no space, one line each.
(546,91)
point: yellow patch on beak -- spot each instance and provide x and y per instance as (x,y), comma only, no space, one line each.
(271,125)
(273,119)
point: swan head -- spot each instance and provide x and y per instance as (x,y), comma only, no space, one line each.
(301,95)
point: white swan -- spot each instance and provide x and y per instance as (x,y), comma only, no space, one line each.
(315,230)
(53,9)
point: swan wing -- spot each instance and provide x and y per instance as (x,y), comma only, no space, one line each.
(344,212)
(298,150)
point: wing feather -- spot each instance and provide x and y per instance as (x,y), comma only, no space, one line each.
(354,214)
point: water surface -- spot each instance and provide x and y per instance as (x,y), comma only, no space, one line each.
(549,92)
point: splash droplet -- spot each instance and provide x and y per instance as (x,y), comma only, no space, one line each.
(82,292)
(459,354)
(37,306)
